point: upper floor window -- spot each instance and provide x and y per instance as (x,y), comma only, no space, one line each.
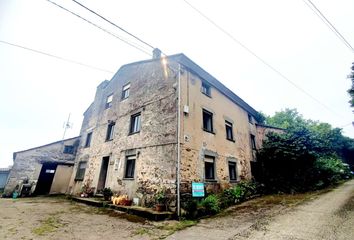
(205,88)
(134,123)
(250,119)
(207,121)
(253,142)
(209,167)
(88,139)
(125,91)
(110,131)
(109,101)
(229,131)
(69,149)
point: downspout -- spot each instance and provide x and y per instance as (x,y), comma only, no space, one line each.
(179,141)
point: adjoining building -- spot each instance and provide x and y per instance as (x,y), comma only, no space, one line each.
(162,124)
(43,170)
(4,175)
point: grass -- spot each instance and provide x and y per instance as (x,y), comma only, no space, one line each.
(50,224)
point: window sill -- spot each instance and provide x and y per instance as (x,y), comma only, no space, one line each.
(209,96)
(234,181)
(231,140)
(133,133)
(122,99)
(86,146)
(205,130)
(109,140)
(78,179)
(210,180)
(126,178)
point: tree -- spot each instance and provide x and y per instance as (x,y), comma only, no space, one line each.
(351,90)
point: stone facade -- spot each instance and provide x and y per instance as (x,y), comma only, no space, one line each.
(220,157)
(27,166)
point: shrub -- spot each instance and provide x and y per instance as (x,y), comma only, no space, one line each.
(211,204)
(330,170)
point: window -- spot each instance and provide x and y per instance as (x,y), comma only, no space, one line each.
(88,139)
(253,142)
(125,91)
(250,120)
(209,168)
(229,133)
(109,101)
(80,173)
(129,166)
(134,123)
(205,89)
(207,121)
(232,171)
(110,131)
(69,149)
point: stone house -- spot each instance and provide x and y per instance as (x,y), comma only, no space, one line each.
(43,170)
(162,124)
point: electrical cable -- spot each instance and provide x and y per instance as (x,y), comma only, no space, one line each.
(328,24)
(57,57)
(112,23)
(259,58)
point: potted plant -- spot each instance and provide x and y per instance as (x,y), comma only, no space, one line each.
(107,194)
(160,198)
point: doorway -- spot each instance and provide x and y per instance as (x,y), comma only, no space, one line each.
(45,178)
(103,175)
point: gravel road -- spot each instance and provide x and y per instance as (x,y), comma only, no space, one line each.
(328,216)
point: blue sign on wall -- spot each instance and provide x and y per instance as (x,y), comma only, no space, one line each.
(198,189)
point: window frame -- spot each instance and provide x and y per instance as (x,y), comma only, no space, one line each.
(71,151)
(125,91)
(210,161)
(135,125)
(229,126)
(130,173)
(253,142)
(250,118)
(234,164)
(206,89)
(110,131)
(205,124)
(80,171)
(88,140)
(109,100)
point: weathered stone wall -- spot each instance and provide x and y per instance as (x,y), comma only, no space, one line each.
(262,132)
(153,95)
(28,163)
(196,143)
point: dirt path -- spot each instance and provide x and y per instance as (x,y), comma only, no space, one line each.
(330,216)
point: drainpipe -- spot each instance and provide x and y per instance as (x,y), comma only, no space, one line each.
(179,141)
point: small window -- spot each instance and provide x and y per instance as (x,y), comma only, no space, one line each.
(69,149)
(209,163)
(125,91)
(250,119)
(110,131)
(80,173)
(109,101)
(253,142)
(129,166)
(207,121)
(205,89)
(229,131)
(88,139)
(134,123)
(232,171)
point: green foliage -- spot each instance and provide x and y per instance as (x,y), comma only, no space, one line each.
(260,117)
(211,204)
(351,90)
(107,193)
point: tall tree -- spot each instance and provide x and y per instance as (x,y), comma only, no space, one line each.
(351,90)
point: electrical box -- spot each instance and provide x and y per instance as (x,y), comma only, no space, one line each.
(186,109)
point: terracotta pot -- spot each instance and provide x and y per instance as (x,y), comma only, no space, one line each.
(160,207)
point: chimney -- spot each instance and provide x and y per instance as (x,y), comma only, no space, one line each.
(156,53)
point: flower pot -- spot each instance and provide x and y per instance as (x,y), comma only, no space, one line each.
(160,207)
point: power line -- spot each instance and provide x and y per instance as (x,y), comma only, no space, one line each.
(57,57)
(313,7)
(258,57)
(130,34)
(101,28)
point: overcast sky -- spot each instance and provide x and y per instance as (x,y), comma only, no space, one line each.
(38,92)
